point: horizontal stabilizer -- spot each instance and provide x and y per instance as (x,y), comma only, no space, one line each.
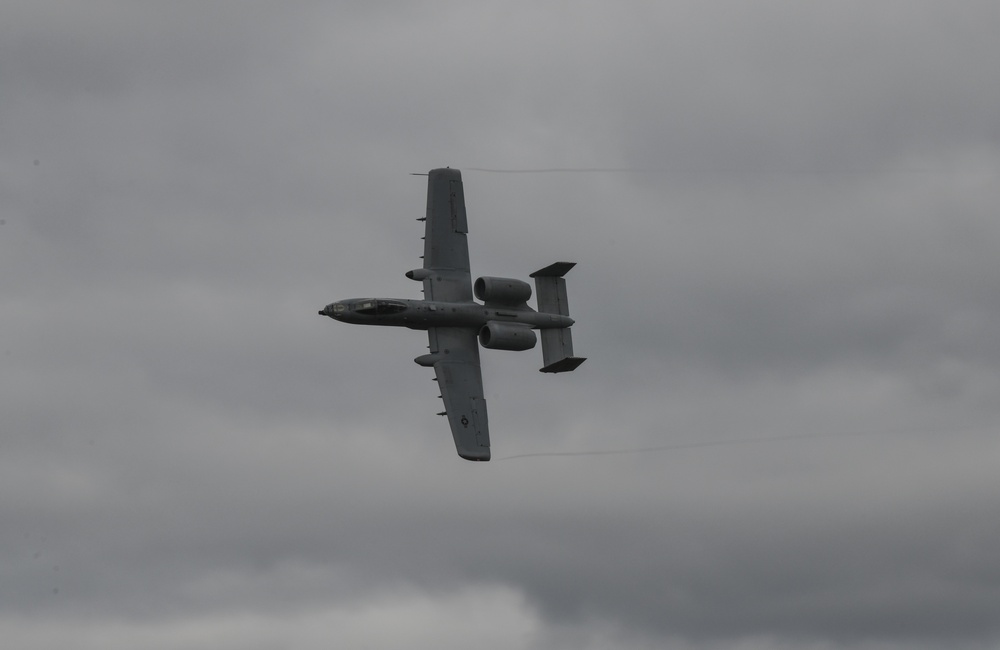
(557,350)
(550,288)
(557,343)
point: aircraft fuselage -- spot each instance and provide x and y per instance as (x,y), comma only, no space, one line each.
(423,314)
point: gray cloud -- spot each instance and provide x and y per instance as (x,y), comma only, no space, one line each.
(790,297)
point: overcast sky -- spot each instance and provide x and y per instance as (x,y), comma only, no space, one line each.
(790,299)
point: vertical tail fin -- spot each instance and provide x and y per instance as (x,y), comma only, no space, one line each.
(557,343)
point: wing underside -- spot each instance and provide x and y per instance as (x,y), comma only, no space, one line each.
(461,382)
(446,258)
(446,247)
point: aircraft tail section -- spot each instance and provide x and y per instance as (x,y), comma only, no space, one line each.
(557,343)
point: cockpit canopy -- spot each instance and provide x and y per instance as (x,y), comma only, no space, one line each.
(365,306)
(373,306)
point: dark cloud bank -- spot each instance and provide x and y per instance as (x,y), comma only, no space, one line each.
(803,255)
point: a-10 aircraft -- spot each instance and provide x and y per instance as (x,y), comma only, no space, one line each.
(456,325)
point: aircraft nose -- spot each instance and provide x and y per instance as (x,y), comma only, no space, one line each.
(332,310)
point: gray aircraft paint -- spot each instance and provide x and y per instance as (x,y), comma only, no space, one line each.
(456,325)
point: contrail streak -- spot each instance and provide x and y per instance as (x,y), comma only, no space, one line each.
(705,170)
(729,442)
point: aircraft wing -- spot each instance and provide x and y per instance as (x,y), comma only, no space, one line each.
(461,382)
(446,248)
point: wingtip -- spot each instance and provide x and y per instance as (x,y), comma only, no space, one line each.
(480,455)
(455,174)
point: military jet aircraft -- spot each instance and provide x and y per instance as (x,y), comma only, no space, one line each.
(456,325)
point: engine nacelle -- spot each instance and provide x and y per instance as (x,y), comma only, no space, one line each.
(503,291)
(506,336)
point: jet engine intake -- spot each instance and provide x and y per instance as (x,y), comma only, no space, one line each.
(495,335)
(502,291)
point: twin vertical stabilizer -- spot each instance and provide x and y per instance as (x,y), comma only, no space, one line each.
(557,343)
